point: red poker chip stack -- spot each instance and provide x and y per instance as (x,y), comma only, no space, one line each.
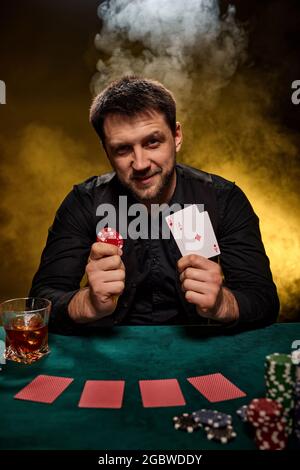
(272,437)
(266,415)
(111,236)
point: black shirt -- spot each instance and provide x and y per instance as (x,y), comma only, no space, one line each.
(155,298)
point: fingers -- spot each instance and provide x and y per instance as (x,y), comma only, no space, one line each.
(102,273)
(194,261)
(105,264)
(115,288)
(201,281)
(102,250)
(195,298)
(103,292)
(196,286)
(193,273)
(106,277)
(110,276)
(211,276)
(204,303)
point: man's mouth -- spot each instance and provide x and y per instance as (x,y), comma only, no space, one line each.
(144,179)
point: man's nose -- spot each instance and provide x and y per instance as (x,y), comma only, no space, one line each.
(141,161)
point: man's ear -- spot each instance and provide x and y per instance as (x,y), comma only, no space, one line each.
(178,137)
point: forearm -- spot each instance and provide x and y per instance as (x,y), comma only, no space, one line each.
(244,262)
(226,308)
(260,305)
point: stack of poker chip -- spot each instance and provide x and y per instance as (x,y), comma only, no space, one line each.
(266,415)
(280,384)
(296,362)
(217,425)
(297,411)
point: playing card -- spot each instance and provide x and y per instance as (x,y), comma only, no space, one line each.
(215,387)
(193,232)
(102,394)
(161,393)
(44,389)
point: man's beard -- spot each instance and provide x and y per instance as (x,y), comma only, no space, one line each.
(163,184)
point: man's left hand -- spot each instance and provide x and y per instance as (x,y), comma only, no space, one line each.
(201,280)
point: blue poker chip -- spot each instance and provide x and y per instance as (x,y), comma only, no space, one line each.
(212,418)
(242,413)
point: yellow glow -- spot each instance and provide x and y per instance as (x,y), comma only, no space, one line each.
(41,168)
(238,138)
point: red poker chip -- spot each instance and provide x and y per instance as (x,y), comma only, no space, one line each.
(111,236)
(263,410)
(271,438)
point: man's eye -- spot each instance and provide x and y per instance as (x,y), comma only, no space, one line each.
(153,143)
(122,150)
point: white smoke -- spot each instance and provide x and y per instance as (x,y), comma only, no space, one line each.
(177,42)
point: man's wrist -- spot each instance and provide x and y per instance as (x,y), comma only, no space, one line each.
(80,308)
(228,309)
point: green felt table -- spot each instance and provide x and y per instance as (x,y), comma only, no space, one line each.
(131,354)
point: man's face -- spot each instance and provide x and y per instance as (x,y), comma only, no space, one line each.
(142,151)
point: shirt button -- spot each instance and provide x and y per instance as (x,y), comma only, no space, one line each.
(125,304)
(133,284)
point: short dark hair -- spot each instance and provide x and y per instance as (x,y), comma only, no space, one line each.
(131,96)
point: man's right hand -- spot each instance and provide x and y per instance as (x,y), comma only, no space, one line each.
(106,278)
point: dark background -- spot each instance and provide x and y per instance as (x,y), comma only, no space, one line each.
(52,42)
